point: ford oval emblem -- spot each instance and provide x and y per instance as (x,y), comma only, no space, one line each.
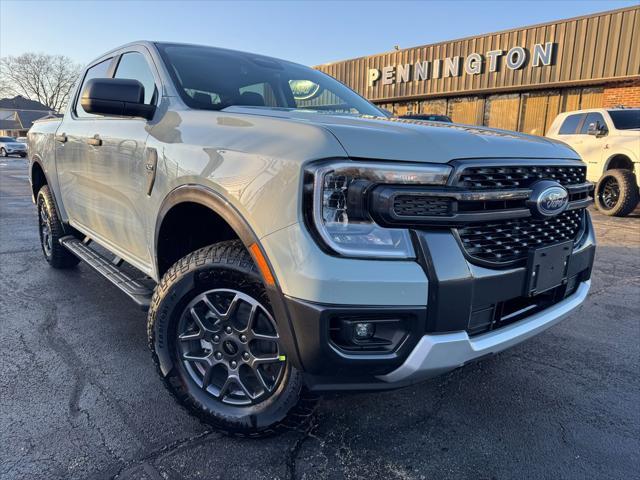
(548,199)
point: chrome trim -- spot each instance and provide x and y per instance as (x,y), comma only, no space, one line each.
(437,354)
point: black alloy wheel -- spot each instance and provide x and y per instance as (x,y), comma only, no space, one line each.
(230,347)
(44,222)
(609,193)
(51,230)
(219,348)
(617,192)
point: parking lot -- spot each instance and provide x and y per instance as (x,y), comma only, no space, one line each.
(80,398)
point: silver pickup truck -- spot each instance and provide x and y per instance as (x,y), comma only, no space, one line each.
(288,237)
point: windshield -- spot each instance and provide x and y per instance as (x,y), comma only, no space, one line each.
(625,119)
(7,139)
(213,79)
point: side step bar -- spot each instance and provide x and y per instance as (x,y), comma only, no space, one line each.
(138,292)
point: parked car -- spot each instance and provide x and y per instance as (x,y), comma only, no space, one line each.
(10,146)
(21,139)
(428,117)
(291,239)
(608,140)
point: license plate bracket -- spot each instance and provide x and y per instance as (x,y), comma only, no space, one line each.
(547,267)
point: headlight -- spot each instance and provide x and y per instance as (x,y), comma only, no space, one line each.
(338,209)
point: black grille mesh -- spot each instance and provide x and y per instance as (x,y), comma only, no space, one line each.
(478,178)
(418,206)
(510,240)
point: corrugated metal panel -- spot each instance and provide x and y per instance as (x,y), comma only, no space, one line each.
(591,98)
(603,46)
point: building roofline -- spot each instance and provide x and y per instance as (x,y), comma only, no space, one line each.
(498,32)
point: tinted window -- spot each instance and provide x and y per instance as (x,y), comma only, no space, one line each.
(7,139)
(134,66)
(592,118)
(97,71)
(210,78)
(625,119)
(570,124)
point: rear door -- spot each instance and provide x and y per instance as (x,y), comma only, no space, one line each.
(76,162)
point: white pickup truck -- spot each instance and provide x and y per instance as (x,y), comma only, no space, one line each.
(288,237)
(608,140)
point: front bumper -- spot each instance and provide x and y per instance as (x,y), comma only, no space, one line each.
(437,354)
(455,325)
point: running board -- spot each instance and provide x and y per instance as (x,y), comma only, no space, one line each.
(138,292)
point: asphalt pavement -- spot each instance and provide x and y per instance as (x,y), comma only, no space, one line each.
(80,398)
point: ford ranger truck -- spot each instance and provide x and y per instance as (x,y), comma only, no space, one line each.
(288,238)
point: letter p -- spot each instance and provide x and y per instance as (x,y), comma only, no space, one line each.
(374,76)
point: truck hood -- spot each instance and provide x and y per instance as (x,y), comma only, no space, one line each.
(416,140)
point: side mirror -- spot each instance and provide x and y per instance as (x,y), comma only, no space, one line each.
(116,96)
(597,130)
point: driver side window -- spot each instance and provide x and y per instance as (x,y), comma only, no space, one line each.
(99,70)
(134,66)
(592,118)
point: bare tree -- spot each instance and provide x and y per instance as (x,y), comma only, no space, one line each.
(47,79)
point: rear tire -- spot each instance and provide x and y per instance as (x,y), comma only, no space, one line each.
(616,193)
(219,359)
(51,231)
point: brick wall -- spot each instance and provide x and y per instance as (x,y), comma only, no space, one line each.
(626,93)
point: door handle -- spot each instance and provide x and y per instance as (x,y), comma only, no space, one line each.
(96,141)
(62,138)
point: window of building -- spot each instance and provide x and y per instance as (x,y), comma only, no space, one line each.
(134,66)
(99,70)
(466,110)
(502,111)
(434,107)
(533,113)
(593,117)
(570,124)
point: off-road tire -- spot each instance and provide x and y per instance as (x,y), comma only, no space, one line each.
(627,198)
(55,254)
(223,265)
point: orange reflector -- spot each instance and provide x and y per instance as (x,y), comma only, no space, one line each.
(262,264)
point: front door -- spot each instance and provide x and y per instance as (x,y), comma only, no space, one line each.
(121,176)
(101,164)
(591,147)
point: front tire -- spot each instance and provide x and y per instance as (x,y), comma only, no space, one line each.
(216,345)
(51,231)
(616,193)
(3,152)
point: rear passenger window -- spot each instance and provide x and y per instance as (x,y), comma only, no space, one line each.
(99,70)
(570,124)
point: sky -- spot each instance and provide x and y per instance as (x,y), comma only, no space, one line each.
(307,32)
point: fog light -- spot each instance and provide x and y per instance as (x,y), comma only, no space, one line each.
(364,330)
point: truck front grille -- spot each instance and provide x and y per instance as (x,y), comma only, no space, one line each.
(518,176)
(508,241)
(418,206)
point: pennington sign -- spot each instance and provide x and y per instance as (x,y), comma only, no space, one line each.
(473,64)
